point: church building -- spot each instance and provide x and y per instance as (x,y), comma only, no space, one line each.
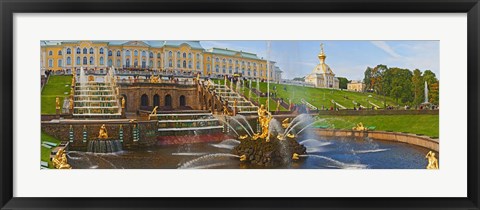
(322,75)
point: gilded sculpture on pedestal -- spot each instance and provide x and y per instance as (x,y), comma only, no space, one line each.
(102,134)
(123,102)
(432,160)
(264,118)
(57,103)
(60,160)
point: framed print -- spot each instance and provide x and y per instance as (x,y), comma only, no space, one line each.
(239,105)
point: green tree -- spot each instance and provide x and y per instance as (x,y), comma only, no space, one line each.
(342,82)
(367,79)
(433,86)
(417,81)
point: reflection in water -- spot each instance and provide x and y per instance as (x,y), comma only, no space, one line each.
(322,154)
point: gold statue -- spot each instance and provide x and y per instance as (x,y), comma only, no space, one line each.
(235,107)
(102,134)
(91,78)
(243,158)
(278,106)
(57,103)
(154,111)
(295,156)
(71,103)
(264,118)
(154,79)
(243,137)
(281,137)
(286,123)
(359,127)
(432,160)
(123,102)
(60,160)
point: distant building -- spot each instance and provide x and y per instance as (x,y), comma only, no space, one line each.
(167,56)
(356,85)
(322,75)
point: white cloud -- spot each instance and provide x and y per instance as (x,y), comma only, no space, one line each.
(386,48)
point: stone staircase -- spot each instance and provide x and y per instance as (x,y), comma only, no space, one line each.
(244,106)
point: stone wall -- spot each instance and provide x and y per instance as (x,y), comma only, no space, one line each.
(60,130)
(133,93)
(422,141)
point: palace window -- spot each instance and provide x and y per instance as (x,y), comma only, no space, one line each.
(60,52)
(178,54)
(255,64)
(243,63)
(236,62)
(85,62)
(184,64)
(135,63)
(69,61)
(110,53)
(170,63)
(224,70)
(208,59)
(236,69)
(158,64)
(224,60)
(127,53)
(150,55)
(78,50)
(208,67)
(230,61)
(50,53)
(178,63)
(118,62)
(189,64)
(249,72)
(110,63)
(78,61)
(101,61)
(189,55)
(135,53)
(150,63)
(144,63)
(217,69)
(144,53)
(101,51)
(91,50)
(254,73)
(184,55)
(50,63)
(198,65)
(118,53)
(91,61)
(170,54)
(198,56)
(248,64)
(69,51)
(230,69)
(127,62)
(85,51)
(216,60)
(158,55)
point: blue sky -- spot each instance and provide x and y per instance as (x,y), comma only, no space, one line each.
(347,58)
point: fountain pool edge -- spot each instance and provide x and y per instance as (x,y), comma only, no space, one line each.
(417,140)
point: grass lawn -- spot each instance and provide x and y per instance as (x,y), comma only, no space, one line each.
(254,97)
(45,152)
(56,86)
(416,124)
(319,96)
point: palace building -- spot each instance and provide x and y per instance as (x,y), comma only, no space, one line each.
(322,75)
(165,56)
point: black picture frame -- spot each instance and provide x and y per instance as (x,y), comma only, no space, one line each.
(10,7)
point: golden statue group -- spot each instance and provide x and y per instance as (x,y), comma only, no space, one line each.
(60,160)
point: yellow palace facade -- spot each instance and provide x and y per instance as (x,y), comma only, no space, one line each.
(160,56)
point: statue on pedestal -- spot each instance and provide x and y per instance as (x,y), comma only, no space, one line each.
(123,102)
(60,160)
(102,134)
(432,160)
(57,103)
(264,118)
